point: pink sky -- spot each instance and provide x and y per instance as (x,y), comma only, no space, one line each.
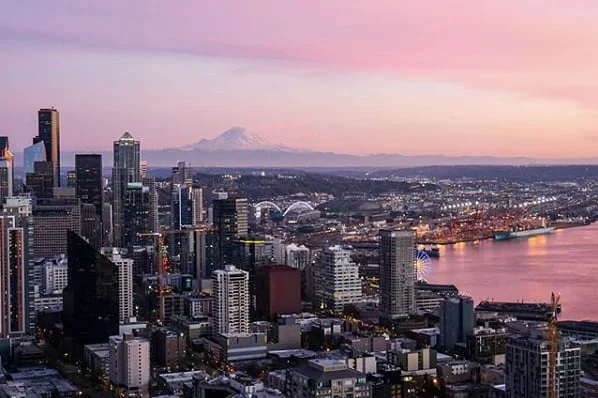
(465,77)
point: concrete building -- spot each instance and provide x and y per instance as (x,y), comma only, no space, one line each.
(526,367)
(169,348)
(487,345)
(52,219)
(337,282)
(235,347)
(457,320)
(130,363)
(297,256)
(125,283)
(231,293)
(55,275)
(326,379)
(397,274)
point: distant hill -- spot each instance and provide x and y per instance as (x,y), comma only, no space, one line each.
(237,147)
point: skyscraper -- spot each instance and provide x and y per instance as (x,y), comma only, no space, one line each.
(6,170)
(397,274)
(91,299)
(526,366)
(139,214)
(16,264)
(186,206)
(40,183)
(126,170)
(231,292)
(231,224)
(49,133)
(182,174)
(33,153)
(89,189)
(457,320)
(125,282)
(337,279)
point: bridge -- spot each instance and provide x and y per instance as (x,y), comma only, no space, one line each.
(296,206)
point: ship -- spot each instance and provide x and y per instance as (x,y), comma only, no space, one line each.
(504,235)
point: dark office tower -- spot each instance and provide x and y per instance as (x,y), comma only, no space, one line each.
(91,303)
(16,315)
(40,183)
(457,320)
(186,206)
(52,218)
(397,274)
(126,170)
(49,133)
(140,215)
(89,189)
(7,170)
(230,224)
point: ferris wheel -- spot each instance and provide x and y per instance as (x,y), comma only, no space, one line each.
(423,264)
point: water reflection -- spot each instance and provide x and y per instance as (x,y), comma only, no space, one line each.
(528,269)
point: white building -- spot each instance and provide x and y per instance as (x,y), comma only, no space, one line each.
(231,293)
(337,280)
(129,360)
(397,274)
(125,283)
(297,256)
(55,275)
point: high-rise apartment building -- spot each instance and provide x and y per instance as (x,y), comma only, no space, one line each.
(91,299)
(231,224)
(526,367)
(397,274)
(16,268)
(231,293)
(125,283)
(49,134)
(337,279)
(129,359)
(457,320)
(126,170)
(52,218)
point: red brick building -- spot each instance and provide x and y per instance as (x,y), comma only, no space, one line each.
(277,290)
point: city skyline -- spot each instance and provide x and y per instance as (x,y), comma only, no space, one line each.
(475,79)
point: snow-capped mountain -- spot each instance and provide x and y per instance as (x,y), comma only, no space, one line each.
(237,139)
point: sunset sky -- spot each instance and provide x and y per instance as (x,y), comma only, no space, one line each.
(459,77)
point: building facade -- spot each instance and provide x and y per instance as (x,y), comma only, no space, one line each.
(89,187)
(49,134)
(231,224)
(397,274)
(231,294)
(278,291)
(52,219)
(129,359)
(337,279)
(457,320)
(126,170)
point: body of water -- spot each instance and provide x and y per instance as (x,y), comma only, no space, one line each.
(529,269)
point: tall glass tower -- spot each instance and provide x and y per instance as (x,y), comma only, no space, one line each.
(126,170)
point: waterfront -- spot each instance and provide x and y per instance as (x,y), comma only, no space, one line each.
(564,261)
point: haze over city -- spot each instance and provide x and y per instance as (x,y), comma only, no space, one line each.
(492,78)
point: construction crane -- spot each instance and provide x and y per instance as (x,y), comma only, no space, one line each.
(552,335)
(163,261)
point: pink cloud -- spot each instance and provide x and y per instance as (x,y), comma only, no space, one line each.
(499,44)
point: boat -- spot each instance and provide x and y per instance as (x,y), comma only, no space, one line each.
(432,252)
(505,235)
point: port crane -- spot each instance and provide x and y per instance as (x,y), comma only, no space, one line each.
(552,335)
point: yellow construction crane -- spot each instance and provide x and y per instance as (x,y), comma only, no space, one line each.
(552,335)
